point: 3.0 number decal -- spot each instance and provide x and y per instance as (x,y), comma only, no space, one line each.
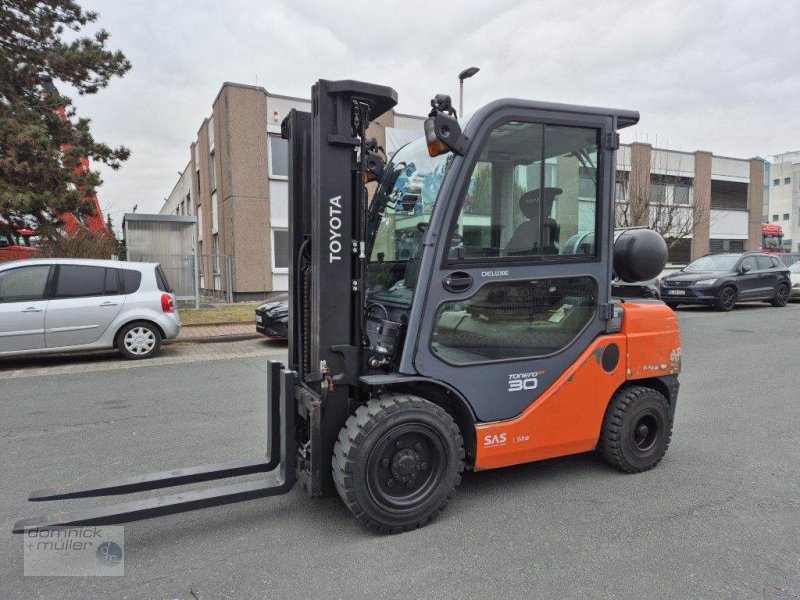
(518,382)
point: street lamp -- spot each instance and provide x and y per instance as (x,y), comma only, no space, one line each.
(465,74)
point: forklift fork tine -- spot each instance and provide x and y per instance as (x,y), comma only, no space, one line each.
(137,510)
(153,481)
(280,468)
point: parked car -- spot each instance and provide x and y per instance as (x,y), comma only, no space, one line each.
(62,305)
(794,275)
(722,280)
(272,320)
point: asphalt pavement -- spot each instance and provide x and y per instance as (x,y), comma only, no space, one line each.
(718,518)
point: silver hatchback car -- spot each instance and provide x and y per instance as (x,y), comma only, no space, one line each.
(62,305)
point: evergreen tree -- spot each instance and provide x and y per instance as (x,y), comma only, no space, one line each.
(42,139)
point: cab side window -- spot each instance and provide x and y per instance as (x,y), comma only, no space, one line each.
(24,284)
(532,193)
(514,319)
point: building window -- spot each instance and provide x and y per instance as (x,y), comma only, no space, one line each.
(212,171)
(200,222)
(785,216)
(216,265)
(189,204)
(278,156)
(774,217)
(211,133)
(776,182)
(658,193)
(787,180)
(214,213)
(680,194)
(280,249)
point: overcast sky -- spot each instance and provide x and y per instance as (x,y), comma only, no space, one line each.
(721,76)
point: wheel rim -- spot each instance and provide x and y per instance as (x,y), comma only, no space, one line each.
(139,341)
(728,298)
(405,467)
(645,432)
(783,294)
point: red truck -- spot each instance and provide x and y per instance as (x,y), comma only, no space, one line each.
(18,247)
(771,238)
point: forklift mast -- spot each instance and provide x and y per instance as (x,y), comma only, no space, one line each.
(329,158)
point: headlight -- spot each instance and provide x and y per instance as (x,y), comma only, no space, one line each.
(706,282)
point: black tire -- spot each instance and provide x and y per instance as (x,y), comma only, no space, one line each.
(726,300)
(637,429)
(781,296)
(380,452)
(673,305)
(145,342)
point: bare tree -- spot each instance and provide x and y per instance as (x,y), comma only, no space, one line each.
(663,202)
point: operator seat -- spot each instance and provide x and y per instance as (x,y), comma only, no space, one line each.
(525,240)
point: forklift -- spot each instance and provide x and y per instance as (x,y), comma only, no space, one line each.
(460,317)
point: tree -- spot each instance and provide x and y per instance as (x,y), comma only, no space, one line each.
(662,202)
(42,139)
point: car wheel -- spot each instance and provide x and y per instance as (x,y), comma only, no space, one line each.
(726,301)
(781,296)
(139,340)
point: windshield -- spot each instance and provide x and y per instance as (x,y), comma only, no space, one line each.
(772,242)
(400,211)
(717,262)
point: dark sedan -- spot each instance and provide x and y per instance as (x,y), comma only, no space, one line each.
(722,280)
(272,320)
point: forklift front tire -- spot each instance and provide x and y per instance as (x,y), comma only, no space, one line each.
(636,429)
(397,462)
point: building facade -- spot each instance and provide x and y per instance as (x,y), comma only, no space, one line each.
(703,203)
(236,183)
(784,197)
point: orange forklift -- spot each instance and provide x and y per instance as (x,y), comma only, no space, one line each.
(461,319)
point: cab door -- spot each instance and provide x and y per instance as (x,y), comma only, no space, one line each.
(520,269)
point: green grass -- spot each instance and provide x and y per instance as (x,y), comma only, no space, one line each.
(242,312)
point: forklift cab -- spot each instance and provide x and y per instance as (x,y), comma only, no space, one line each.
(479,267)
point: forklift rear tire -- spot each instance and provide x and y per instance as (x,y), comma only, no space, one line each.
(397,462)
(636,429)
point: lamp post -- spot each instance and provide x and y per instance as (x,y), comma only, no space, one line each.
(465,74)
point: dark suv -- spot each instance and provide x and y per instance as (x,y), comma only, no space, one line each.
(722,280)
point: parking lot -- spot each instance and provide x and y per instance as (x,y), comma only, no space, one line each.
(719,518)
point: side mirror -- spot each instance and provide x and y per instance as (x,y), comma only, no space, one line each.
(744,268)
(4,243)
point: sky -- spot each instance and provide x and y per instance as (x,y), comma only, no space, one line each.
(721,76)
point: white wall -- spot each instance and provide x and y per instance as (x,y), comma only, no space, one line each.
(730,169)
(728,224)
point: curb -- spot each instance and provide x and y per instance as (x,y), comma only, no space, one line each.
(220,324)
(213,339)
